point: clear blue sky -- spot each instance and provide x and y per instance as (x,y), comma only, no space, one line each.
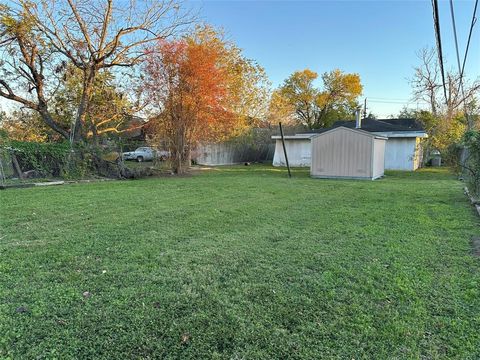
(377,39)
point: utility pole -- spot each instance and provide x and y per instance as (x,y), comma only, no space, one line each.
(284,149)
(365,109)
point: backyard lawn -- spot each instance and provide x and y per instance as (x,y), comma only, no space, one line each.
(241,263)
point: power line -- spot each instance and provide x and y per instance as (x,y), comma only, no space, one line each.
(460,80)
(395,99)
(438,37)
(382,98)
(474,20)
(462,68)
(456,40)
(397,102)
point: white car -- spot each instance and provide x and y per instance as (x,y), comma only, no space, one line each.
(145,154)
(140,154)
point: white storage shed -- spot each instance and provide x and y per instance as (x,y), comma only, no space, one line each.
(298,150)
(348,153)
(404,149)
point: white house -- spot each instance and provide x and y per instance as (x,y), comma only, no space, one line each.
(298,149)
(403,148)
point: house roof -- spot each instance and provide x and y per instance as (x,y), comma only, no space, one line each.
(411,124)
(383,125)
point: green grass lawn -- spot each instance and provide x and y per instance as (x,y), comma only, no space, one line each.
(241,263)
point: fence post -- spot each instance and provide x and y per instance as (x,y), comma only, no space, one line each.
(284,149)
(16,166)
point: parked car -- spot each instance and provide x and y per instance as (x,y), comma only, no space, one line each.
(140,154)
(146,154)
(163,155)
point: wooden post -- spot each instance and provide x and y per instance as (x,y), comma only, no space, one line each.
(284,149)
(16,166)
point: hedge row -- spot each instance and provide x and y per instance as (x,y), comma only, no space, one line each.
(471,160)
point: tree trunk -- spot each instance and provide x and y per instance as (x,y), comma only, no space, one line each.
(16,166)
(188,158)
(177,167)
(94,135)
(88,80)
(47,119)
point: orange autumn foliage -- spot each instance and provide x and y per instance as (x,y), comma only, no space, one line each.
(189,89)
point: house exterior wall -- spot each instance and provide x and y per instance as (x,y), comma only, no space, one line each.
(403,154)
(378,158)
(342,153)
(298,152)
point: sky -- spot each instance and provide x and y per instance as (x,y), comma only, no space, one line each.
(376,39)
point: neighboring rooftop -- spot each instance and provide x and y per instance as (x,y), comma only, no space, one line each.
(404,128)
(412,124)
(383,125)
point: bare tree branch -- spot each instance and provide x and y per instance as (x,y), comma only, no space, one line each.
(90,34)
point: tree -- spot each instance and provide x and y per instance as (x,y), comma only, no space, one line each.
(445,122)
(26,125)
(314,107)
(38,39)
(281,110)
(443,103)
(201,89)
(248,86)
(188,90)
(109,108)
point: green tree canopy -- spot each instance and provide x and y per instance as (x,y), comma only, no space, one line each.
(318,107)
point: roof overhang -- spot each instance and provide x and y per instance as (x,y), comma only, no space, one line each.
(377,134)
(402,134)
(294,137)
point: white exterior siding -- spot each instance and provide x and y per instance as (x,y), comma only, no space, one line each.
(298,151)
(347,153)
(378,158)
(402,154)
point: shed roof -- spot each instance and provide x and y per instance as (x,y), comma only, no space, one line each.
(359,131)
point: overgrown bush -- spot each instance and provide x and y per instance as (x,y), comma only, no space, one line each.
(451,156)
(52,159)
(61,160)
(470,161)
(78,164)
(47,159)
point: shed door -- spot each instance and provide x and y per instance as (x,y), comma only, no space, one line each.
(343,154)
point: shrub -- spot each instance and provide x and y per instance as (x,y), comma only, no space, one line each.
(452,155)
(47,159)
(470,160)
(61,160)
